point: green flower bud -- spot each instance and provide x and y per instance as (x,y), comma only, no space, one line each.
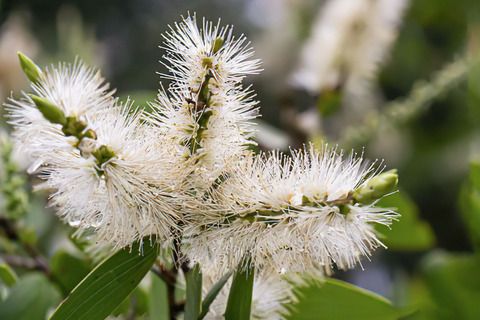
(376,187)
(90,134)
(103,154)
(50,111)
(217,44)
(74,127)
(207,62)
(31,70)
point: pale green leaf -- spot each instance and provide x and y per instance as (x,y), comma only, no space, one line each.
(7,275)
(193,280)
(338,300)
(158,300)
(240,297)
(454,285)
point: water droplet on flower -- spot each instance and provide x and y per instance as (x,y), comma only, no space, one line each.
(35,166)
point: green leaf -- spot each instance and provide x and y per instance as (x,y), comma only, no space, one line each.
(212,294)
(240,297)
(335,299)
(7,275)
(30,299)
(470,204)
(106,286)
(409,233)
(193,280)
(454,285)
(68,269)
(159,300)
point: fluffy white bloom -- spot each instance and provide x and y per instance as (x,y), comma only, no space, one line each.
(77,90)
(206,109)
(270,296)
(116,182)
(134,196)
(289,214)
(350,38)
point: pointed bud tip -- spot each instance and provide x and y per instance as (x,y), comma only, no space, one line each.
(377,187)
(31,70)
(217,44)
(50,111)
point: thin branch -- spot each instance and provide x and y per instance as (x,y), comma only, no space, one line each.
(38,261)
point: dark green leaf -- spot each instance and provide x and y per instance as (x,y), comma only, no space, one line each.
(240,297)
(193,280)
(212,294)
(409,233)
(29,299)
(103,289)
(7,275)
(335,299)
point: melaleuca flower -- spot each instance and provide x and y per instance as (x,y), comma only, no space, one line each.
(312,211)
(270,296)
(101,162)
(206,109)
(125,190)
(78,91)
(349,40)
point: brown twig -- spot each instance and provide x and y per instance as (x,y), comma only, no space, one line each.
(37,261)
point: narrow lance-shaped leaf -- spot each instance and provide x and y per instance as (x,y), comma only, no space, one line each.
(158,300)
(240,297)
(106,286)
(212,294)
(193,280)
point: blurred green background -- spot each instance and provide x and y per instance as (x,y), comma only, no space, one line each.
(431,265)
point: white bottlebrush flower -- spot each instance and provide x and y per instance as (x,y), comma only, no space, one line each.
(269,297)
(313,211)
(349,40)
(133,194)
(77,90)
(109,173)
(206,109)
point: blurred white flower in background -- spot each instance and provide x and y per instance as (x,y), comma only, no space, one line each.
(349,41)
